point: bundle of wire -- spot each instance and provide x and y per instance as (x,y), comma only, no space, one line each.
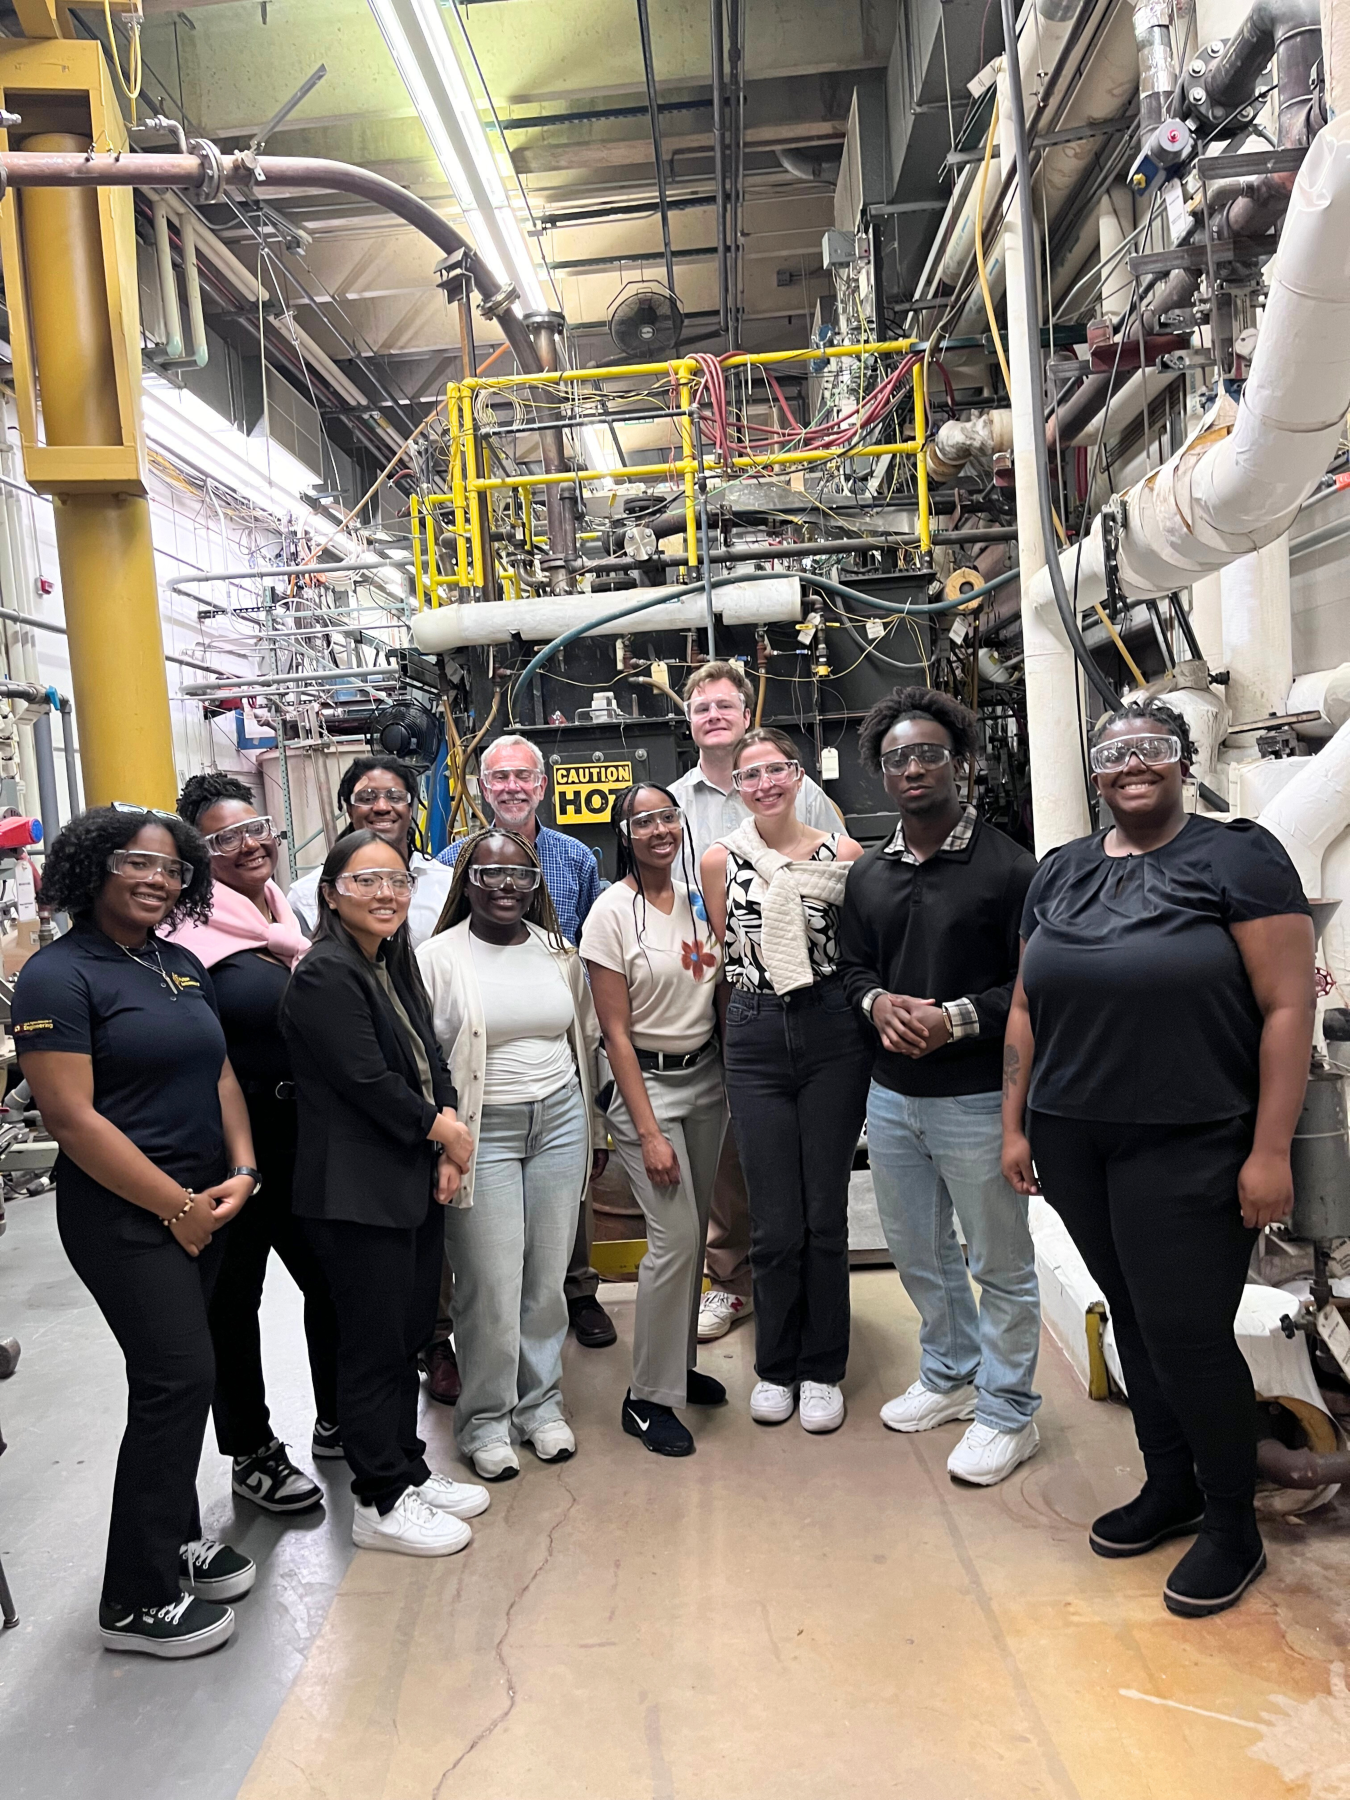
(835,434)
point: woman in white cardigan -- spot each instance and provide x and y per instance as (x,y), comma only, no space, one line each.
(514,1018)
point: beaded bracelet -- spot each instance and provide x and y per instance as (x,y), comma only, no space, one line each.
(183,1213)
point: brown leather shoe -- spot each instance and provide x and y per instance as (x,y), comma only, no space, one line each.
(443,1382)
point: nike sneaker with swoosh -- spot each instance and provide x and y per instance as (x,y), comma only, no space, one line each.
(271,1480)
(656,1426)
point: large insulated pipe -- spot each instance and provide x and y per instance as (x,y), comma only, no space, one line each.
(103,540)
(1241,477)
(1157,63)
(1313,809)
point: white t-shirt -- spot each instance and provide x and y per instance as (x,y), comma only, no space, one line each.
(669,960)
(527,1009)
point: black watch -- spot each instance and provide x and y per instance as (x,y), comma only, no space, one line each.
(244,1169)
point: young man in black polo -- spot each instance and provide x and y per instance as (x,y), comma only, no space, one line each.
(929,946)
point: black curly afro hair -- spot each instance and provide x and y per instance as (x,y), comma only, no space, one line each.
(77,862)
(916,703)
(202,791)
(1158,713)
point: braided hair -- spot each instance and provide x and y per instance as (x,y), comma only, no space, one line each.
(626,864)
(201,792)
(539,912)
(1167,719)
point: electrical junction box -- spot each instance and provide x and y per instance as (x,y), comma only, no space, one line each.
(838,249)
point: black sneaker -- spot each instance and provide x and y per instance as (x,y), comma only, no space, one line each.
(327,1441)
(702,1390)
(271,1480)
(592,1324)
(657,1426)
(213,1571)
(186,1627)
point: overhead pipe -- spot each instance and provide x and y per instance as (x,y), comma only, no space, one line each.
(546,331)
(658,154)
(1157,63)
(1239,480)
(960,441)
(168,282)
(806,166)
(206,173)
(717,45)
(192,281)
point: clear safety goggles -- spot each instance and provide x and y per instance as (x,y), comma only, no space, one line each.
(229,839)
(761,772)
(364,884)
(644,824)
(505,877)
(1154,749)
(144,865)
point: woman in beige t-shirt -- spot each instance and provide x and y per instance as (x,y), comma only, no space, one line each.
(653,963)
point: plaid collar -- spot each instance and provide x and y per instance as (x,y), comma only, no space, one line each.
(958,838)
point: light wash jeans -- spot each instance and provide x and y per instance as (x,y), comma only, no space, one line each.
(930,1155)
(509,1252)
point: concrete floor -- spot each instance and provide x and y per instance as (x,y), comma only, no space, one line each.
(777,1616)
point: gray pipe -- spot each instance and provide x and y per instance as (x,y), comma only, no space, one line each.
(716,34)
(49,807)
(806,167)
(546,333)
(72,758)
(658,154)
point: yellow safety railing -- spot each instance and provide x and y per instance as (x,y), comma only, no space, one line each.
(466,448)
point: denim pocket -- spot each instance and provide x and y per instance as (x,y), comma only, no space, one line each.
(834,999)
(979,1103)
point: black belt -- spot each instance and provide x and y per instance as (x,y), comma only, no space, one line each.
(273,1090)
(664,1061)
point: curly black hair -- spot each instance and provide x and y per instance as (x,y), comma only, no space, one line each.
(202,791)
(1151,712)
(905,703)
(77,862)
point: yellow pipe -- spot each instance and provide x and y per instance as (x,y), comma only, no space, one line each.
(456,495)
(921,462)
(103,541)
(771,359)
(416,520)
(688,465)
(471,467)
(648,471)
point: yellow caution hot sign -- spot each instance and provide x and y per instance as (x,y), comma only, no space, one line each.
(583,793)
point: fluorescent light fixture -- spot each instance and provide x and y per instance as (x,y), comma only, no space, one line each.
(439,89)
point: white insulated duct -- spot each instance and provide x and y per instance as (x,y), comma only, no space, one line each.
(440,628)
(1312,811)
(1242,475)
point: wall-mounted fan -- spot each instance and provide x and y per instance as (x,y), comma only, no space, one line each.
(646,322)
(407,729)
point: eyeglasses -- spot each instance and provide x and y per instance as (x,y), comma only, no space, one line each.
(929,756)
(505,877)
(643,824)
(761,772)
(226,841)
(364,884)
(141,865)
(368,796)
(499,778)
(1153,751)
(699,709)
(146,812)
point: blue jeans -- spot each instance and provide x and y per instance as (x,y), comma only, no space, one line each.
(509,1252)
(930,1155)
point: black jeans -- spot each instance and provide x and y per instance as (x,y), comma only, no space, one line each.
(242,1421)
(1154,1211)
(155,1298)
(384,1282)
(797,1071)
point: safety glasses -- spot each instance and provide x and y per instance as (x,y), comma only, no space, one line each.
(1154,750)
(499,878)
(226,841)
(761,772)
(364,884)
(144,865)
(928,756)
(644,824)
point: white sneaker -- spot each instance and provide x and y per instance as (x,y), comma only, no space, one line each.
(919,1408)
(460,1498)
(718,1311)
(985,1456)
(496,1462)
(553,1441)
(771,1404)
(822,1406)
(411,1528)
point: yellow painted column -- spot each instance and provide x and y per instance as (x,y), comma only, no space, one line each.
(107,559)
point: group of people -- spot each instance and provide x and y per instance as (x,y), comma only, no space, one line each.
(403,1075)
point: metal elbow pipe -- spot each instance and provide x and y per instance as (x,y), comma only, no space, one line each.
(809,168)
(1271,28)
(1305,1469)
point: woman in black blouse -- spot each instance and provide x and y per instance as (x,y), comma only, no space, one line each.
(380,1152)
(1154,1068)
(119,1039)
(251,943)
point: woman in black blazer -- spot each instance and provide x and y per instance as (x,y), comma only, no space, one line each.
(379,1147)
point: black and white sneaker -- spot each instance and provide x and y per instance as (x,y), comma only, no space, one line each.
(213,1571)
(271,1480)
(327,1441)
(186,1627)
(657,1427)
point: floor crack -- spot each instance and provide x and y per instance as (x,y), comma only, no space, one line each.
(499,1648)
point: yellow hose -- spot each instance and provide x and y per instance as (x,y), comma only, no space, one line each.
(979,247)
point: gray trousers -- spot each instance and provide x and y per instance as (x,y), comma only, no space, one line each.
(728,1254)
(581,1281)
(691,1109)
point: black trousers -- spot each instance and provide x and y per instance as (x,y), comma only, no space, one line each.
(155,1298)
(243,1423)
(384,1282)
(797,1073)
(1154,1211)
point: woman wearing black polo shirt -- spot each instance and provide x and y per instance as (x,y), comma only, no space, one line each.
(118,1038)
(1157,1049)
(250,945)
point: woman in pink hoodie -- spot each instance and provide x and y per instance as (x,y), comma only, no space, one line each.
(250,944)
